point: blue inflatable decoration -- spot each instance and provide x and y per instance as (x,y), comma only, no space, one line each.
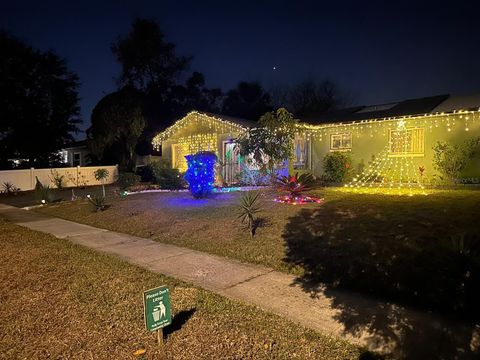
(200,174)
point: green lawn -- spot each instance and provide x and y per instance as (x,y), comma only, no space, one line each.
(420,250)
(60,300)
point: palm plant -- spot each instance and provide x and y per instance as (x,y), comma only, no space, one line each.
(295,185)
(249,207)
(101,175)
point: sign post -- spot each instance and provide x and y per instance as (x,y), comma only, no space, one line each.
(157,311)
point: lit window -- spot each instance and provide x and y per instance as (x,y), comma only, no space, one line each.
(407,142)
(341,142)
(301,150)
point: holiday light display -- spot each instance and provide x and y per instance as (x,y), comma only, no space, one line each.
(195,118)
(458,119)
(393,171)
(295,185)
(200,174)
(297,200)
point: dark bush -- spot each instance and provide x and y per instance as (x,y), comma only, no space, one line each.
(165,176)
(145,173)
(127,179)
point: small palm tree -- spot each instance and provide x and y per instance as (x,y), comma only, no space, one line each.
(249,207)
(101,175)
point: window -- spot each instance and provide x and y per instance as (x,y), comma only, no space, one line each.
(77,159)
(341,142)
(407,142)
(301,159)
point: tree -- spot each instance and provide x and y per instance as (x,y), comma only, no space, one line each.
(101,175)
(309,98)
(271,143)
(117,123)
(38,102)
(150,64)
(248,100)
(148,60)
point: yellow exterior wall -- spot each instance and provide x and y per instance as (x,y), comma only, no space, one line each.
(371,139)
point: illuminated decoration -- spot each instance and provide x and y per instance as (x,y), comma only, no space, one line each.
(297,200)
(200,174)
(458,119)
(191,145)
(393,171)
(295,185)
(195,118)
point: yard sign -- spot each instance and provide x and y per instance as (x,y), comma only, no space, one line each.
(157,308)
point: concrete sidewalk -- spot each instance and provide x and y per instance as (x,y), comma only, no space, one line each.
(330,312)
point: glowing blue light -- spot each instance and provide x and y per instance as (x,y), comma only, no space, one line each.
(200,174)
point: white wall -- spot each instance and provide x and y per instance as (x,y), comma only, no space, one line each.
(73,176)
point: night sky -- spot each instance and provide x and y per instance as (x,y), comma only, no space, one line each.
(376,52)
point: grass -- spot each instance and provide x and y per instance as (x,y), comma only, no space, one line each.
(401,248)
(60,300)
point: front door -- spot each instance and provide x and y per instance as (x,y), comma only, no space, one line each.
(231,167)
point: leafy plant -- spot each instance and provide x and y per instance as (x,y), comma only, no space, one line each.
(337,166)
(295,185)
(166,176)
(450,159)
(57,178)
(249,208)
(101,175)
(127,179)
(97,201)
(43,193)
(271,143)
(9,188)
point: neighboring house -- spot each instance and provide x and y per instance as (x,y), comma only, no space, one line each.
(365,132)
(76,154)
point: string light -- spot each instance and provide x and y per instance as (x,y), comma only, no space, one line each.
(200,174)
(209,122)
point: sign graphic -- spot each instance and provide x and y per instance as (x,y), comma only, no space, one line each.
(157,308)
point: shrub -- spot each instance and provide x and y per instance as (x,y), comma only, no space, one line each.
(43,193)
(450,159)
(97,201)
(9,188)
(145,173)
(57,179)
(336,166)
(201,173)
(249,207)
(165,176)
(127,179)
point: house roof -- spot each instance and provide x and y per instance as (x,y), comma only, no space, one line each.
(240,124)
(76,144)
(238,121)
(408,107)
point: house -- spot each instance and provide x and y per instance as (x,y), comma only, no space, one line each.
(395,135)
(200,131)
(76,154)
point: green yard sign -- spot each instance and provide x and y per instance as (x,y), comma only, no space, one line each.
(157,307)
